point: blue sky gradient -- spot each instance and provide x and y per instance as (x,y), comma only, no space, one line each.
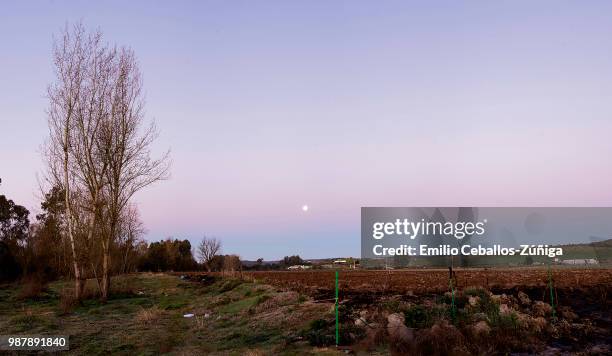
(270,105)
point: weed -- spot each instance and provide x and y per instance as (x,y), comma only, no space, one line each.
(148,316)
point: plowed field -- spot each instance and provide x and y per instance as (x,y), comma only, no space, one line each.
(430,280)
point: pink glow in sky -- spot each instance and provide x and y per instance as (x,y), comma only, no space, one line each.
(268,106)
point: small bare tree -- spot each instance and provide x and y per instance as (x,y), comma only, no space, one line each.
(207,250)
(231,265)
(130,235)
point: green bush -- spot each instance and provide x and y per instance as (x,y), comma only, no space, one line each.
(418,316)
(320,333)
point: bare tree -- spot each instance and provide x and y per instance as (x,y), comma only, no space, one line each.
(207,249)
(99,145)
(126,143)
(88,148)
(69,58)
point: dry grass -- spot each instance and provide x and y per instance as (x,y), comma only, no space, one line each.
(67,301)
(122,288)
(199,322)
(148,316)
(276,301)
(32,288)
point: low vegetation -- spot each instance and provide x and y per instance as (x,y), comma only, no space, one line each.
(145,314)
(150,313)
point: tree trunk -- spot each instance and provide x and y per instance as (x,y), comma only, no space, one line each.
(105,273)
(78,283)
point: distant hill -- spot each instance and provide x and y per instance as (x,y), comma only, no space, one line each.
(314,261)
(596,242)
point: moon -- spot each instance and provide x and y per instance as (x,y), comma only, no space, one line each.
(304,208)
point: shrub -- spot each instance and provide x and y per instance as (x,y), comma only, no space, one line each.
(392,305)
(418,316)
(506,322)
(441,339)
(320,333)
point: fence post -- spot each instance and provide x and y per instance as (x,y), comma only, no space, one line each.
(337,333)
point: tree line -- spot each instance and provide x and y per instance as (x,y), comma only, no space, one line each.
(41,249)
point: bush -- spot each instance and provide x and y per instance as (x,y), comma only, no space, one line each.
(507,322)
(320,333)
(418,316)
(441,339)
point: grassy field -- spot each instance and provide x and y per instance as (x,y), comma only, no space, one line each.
(145,316)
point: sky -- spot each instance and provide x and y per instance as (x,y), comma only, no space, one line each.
(267,106)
